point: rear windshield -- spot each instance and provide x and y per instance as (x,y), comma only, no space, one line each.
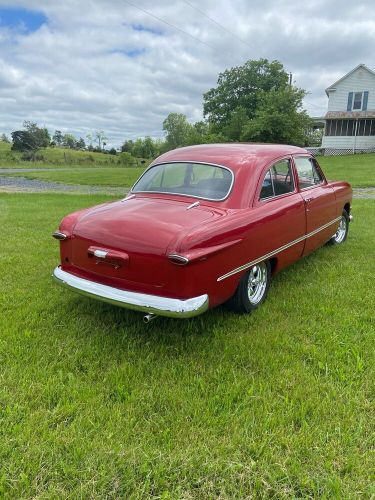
(198,180)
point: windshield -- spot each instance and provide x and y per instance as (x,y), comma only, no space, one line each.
(198,180)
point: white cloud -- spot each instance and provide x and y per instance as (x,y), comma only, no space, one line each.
(92,66)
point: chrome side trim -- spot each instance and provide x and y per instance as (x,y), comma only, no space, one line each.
(278,250)
(151,304)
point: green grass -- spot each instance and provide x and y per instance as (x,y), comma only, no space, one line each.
(359,170)
(88,176)
(94,404)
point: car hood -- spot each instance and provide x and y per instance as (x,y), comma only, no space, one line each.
(141,224)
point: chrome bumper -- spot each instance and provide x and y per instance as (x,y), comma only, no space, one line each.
(162,306)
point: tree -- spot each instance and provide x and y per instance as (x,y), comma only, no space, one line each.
(31,139)
(89,137)
(80,144)
(4,138)
(128,146)
(237,121)
(100,138)
(177,129)
(241,87)
(69,141)
(279,118)
(58,138)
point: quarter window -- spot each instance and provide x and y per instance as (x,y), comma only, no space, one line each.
(277,181)
(308,173)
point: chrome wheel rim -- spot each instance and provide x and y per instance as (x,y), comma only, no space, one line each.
(341,231)
(257,283)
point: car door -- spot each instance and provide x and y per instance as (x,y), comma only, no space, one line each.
(319,200)
(281,213)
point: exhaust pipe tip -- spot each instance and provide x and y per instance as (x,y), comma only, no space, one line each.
(148,317)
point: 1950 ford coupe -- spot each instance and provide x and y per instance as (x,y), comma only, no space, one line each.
(202,226)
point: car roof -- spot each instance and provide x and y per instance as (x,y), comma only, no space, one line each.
(232,155)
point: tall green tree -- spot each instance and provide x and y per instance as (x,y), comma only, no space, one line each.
(69,141)
(177,129)
(31,139)
(100,138)
(80,143)
(58,138)
(279,118)
(4,138)
(237,121)
(242,87)
(127,147)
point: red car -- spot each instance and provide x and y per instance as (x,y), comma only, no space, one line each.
(202,226)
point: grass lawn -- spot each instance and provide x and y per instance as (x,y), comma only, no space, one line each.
(93,403)
(359,170)
(88,176)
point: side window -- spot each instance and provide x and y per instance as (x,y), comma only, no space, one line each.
(308,174)
(317,172)
(267,188)
(278,180)
(282,177)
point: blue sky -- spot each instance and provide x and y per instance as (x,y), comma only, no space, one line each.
(122,67)
(20,18)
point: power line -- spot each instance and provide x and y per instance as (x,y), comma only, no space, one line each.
(170,25)
(313,104)
(217,23)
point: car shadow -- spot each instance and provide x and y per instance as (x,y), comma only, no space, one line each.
(114,327)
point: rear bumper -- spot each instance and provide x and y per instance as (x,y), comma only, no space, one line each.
(162,306)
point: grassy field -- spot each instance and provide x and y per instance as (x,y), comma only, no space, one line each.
(94,404)
(359,170)
(56,158)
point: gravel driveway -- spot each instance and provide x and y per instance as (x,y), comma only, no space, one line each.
(23,185)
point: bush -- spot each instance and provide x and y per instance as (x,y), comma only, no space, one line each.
(127,160)
(32,156)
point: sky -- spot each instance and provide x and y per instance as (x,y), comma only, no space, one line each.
(122,66)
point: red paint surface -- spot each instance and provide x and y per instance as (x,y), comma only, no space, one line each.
(217,237)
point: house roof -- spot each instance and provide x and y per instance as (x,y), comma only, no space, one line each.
(363,66)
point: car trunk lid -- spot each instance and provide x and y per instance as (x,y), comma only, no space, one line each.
(128,240)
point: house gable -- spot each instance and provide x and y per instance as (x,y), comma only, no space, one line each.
(342,93)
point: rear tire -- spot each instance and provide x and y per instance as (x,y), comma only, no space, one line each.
(342,231)
(252,289)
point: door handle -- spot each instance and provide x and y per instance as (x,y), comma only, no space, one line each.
(307,200)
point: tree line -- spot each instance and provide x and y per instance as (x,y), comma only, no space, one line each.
(255,102)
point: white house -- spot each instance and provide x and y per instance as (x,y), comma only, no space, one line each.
(350,119)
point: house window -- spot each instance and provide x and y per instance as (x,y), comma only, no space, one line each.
(357,102)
